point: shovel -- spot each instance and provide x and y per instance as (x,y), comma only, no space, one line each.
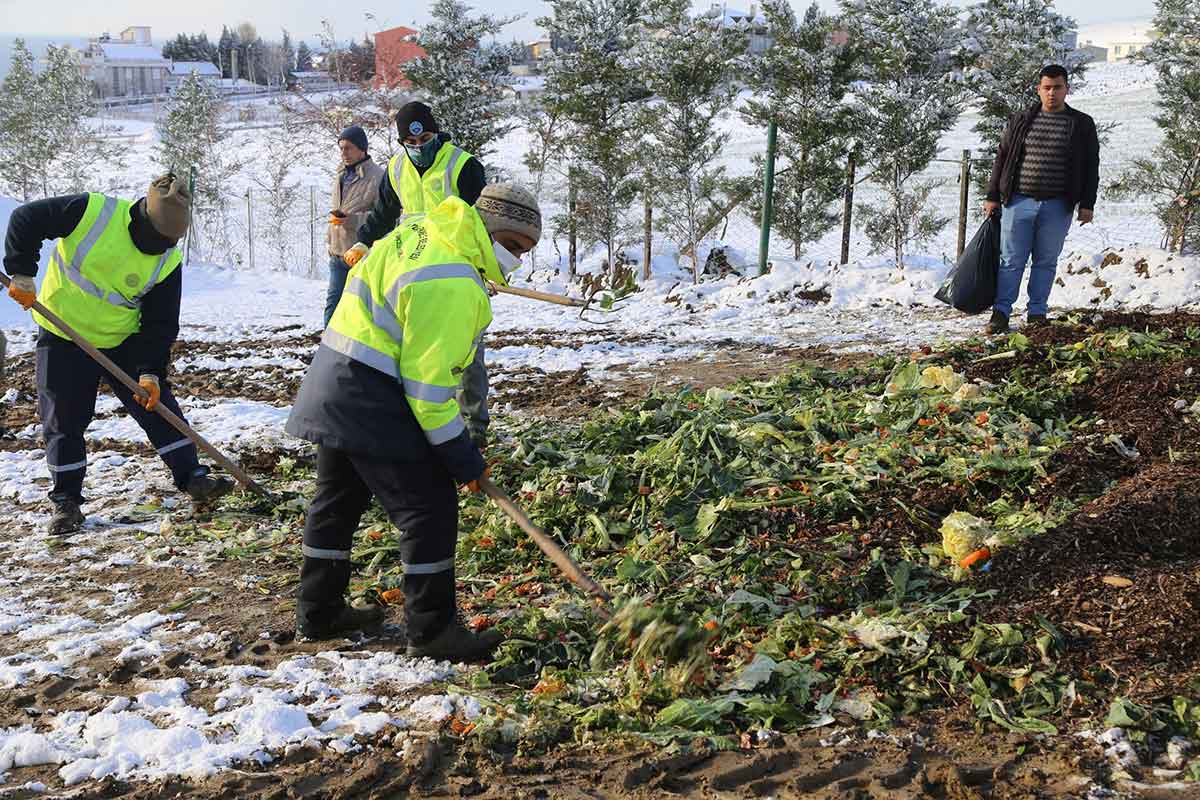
(557,299)
(133,386)
(569,568)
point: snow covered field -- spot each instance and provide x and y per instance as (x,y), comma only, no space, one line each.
(89,630)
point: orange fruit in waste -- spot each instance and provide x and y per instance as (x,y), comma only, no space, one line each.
(480,623)
(393,597)
(711,625)
(979,556)
(375,534)
(982,418)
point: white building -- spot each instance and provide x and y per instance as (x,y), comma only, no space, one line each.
(205,70)
(130,66)
(1121,39)
(753,23)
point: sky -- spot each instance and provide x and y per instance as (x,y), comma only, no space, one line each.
(350,18)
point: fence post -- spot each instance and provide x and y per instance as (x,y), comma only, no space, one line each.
(764,232)
(249,230)
(964,197)
(312,231)
(571,237)
(647,229)
(848,207)
(187,246)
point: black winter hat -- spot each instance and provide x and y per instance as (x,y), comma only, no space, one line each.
(356,136)
(415,118)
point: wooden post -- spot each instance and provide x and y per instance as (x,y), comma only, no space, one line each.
(647,230)
(964,197)
(571,232)
(249,230)
(848,208)
(312,231)
(764,231)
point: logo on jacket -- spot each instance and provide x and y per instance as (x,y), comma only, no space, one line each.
(131,280)
(416,128)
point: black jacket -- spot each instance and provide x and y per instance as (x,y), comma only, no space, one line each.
(1083,175)
(382,218)
(34,223)
(351,407)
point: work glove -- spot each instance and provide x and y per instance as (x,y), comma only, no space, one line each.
(23,290)
(334,219)
(355,254)
(473,486)
(150,384)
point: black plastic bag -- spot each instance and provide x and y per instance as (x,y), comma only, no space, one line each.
(971,285)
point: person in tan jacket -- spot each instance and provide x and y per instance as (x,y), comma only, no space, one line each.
(354,191)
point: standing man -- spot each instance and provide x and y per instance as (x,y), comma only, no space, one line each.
(430,169)
(354,190)
(1048,164)
(115,278)
(379,401)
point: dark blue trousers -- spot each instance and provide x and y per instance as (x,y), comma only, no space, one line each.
(67,381)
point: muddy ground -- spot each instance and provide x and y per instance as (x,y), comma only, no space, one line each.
(1139,636)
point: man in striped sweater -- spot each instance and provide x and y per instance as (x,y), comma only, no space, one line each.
(1048,164)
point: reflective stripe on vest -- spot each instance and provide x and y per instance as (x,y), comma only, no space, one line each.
(352,348)
(72,270)
(449,185)
(381,315)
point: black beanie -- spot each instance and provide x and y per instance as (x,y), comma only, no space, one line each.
(415,118)
(356,136)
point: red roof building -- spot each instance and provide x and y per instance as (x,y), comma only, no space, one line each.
(394,48)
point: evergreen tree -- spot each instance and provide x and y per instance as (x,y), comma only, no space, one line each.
(801,83)
(592,88)
(26,144)
(686,62)
(1172,175)
(463,76)
(303,57)
(908,99)
(226,46)
(83,149)
(1005,43)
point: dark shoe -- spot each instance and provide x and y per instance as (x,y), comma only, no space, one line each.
(1036,321)
(997,324)
(458,644)
(67,519)
(206,489)
(349,620)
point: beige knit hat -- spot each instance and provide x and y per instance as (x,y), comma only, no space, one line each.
(167,203)
(510,207)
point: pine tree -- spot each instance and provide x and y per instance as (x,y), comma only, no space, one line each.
(463,76)
(801,83)
(592,88)
(1005,44)
(26,144)
(906,102)
(303,57)
(686,62)
(1172,176)
(226,46)
(83,148)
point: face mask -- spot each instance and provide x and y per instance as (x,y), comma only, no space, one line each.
(422,155)
(508,262)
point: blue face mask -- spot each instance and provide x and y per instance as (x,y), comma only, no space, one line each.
(422,155)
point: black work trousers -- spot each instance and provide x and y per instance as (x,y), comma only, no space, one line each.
(419,498)
(67,380)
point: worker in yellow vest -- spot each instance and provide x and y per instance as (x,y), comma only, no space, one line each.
(428,170)
(115,278)
(379,401)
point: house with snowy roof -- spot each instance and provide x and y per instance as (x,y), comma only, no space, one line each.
(752,22)
(128,66)
(206,71)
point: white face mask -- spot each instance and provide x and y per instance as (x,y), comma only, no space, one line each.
(508,262)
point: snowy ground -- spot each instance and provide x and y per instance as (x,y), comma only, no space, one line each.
(121,653)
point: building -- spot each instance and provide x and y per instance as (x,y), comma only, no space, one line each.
(314,80)
(751,22)
(1092,53)
(1119,38)
(1122,49)
(394,48)
(205,70)
(538,49)
(129,66)
(525,89)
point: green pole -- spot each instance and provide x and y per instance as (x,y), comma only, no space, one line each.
(764,236)
(187,248)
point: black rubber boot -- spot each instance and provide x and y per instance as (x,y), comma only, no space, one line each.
(67,519)
(204,488)
(349,620)
(458,644)
(997,324)
(1036,320)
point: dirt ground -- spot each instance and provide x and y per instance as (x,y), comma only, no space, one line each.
(1142,637)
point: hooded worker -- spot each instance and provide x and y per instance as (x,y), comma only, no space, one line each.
(379,401)
(429,169)
(114,278)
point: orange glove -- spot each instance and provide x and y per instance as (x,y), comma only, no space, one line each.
(334,219)
(473,486)
(355,254)
(23,290)
(150,384)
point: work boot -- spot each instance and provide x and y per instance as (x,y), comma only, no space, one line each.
(349,620)
(458,644)
(204,488)
(997,324)
(1036,321)
(67,519)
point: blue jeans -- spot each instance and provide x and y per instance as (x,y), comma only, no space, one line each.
(1034,228)
(338,270)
